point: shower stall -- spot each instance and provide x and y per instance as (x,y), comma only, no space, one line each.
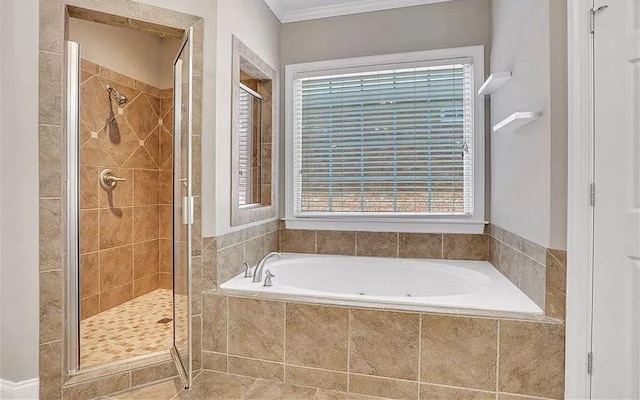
(130,208)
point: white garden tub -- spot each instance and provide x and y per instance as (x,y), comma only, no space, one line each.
(424,285)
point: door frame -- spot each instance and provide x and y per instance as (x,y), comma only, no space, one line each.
(580,212)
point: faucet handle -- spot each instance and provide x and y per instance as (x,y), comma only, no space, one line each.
(267,280)
(247,270)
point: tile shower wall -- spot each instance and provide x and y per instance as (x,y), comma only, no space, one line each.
(398,355)
(125,233)
(537,271)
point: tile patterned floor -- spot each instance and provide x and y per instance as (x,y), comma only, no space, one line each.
(209,385)
(129,330)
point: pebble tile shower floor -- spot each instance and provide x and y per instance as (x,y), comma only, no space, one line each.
(128,330)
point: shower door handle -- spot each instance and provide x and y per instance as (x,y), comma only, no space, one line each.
(187,210)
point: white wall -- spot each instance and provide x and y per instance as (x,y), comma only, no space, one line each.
(526,163)
(252,22)
(142,56)
(19,190)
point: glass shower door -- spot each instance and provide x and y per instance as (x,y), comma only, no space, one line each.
(182,208)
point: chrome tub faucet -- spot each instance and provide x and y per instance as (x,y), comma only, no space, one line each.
(257,275)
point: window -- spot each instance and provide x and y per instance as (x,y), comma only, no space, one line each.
(387,138)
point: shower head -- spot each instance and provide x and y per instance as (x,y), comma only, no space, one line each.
(120,98)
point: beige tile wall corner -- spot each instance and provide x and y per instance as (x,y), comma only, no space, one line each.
(53,372)
(386,244)
(399,355)
(537,271)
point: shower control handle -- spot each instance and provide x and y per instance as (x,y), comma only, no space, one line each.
(109,180)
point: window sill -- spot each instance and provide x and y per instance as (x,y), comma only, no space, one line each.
(386,225)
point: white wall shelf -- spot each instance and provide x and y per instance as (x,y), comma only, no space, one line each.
(494,82)
(516,120)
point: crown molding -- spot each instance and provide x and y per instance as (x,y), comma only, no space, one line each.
(355,7)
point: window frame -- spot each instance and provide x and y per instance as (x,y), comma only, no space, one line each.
(470,223)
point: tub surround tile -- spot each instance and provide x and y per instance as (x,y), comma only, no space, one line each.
(432,392)
(459,351)
(99,387)
(317,336)
(532,279)
(532,359)
(214,337)
(256,328)
(384,343)
(318,378)
(336,242)
(298,241)
(420,245)
(51,234)
(377,244)
(465,247)
(383,387)
(556,284)
(341,395)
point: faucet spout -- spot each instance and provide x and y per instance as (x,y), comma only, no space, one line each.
(257,275)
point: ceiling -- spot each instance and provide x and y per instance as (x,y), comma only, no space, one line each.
(300,10)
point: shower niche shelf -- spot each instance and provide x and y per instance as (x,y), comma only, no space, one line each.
(494,82)
(515,121)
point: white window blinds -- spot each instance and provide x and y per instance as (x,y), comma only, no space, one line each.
(245,151)
(391,141)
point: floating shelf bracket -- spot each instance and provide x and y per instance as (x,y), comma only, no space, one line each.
(516,120)
(494,82)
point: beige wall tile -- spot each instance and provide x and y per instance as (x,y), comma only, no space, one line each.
(146,256)
(459,351)
(318,378)
(384,343)
(383,387)
(230,262)
(166,256)
(51,234)
(272,242)
(98,387)
(214,361)
(51,26)
(146,285)
(231,239)
(509,263)
(256,368)
(265,390)
(89,231)
(50,89)
(90,190)
(534,251)
(556,285)
(505,396)
(159,391)
(214,319)
(146,189)
(93,153)
(141,116)
(96,108)
(146,221)
(337,395)
(166,221)
(532,359)
(115,297)
(89,306)
(432,392)
(166,281)
(140,159)
(317,336)
(465,247)
(256,328)
(196,342)
(297,241)
(532,279)
(50,370)
(336,242)
(89,283)
(115,227)
(50,160)
(377,244)
(420,245)
(254,250)
(116,267)
(51,293)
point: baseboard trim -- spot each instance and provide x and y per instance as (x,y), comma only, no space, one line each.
(25,390)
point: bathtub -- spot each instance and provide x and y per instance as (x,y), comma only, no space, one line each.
(451,286)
